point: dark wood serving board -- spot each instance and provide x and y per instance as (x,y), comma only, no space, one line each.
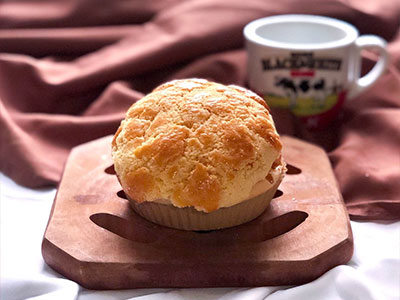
(94,238)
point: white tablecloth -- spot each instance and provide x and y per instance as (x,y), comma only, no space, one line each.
(372,273)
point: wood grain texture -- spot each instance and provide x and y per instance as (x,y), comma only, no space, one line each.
(94,238)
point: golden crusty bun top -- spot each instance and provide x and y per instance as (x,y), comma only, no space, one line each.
(195,143)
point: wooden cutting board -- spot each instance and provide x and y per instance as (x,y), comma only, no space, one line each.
(94,238)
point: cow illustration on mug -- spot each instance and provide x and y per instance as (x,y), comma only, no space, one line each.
(317,89)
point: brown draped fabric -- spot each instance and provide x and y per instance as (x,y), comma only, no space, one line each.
(69,69)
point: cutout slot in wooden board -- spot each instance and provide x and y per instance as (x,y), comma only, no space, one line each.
(94,238)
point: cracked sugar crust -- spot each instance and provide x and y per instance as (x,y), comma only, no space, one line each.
(195,143)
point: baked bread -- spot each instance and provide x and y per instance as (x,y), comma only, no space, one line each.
(197,147)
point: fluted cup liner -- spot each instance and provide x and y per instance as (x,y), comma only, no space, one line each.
(189,218)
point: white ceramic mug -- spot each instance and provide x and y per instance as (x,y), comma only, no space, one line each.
(309,64)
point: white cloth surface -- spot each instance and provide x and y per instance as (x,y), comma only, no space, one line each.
(372,273)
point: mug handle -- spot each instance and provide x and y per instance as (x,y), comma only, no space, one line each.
(363,42)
